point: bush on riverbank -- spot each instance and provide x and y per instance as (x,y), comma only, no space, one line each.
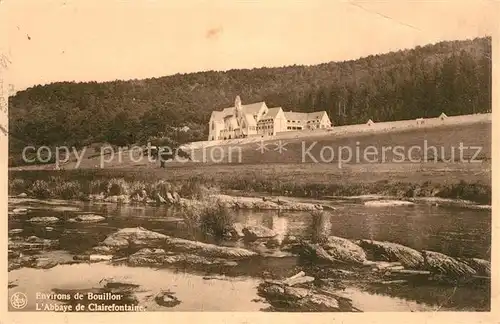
(40,189)
(68,190)
(43,185)
(211,219)
(216,220)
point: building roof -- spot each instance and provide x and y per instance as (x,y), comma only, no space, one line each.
(316,115)
(272,112)
(250,120)
(290,115)
(253,108)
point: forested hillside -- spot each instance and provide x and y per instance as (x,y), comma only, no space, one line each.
(451,77)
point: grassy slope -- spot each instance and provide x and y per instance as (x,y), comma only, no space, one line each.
(444,138)
(284,174)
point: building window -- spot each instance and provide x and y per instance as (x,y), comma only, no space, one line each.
(213,125)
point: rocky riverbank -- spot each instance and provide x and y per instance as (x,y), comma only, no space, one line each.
(327,265)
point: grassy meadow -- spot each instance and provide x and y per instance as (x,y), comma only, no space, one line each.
(284,174)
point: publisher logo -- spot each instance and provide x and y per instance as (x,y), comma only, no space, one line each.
(18,300)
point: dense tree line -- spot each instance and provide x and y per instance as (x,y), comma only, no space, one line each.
(451,77)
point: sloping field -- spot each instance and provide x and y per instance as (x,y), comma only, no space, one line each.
(417,146)
(456,143)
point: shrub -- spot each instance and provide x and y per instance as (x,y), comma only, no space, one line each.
(17,186)
(68,190)
(137,186)
(216,220)
(476,192)
(97,186)
(41,189)
(192,189)
(192,220)
(117,187)
(160,187)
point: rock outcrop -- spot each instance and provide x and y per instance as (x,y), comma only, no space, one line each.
(482,267)
(87,218)
(44,220)
(284,296)
(205,249)
(392,252)
(442,264)
(137,237)
(388,203)
(257,203)
(159,257)
(254,232)
(345,250)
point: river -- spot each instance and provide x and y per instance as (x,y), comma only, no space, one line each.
(459,232)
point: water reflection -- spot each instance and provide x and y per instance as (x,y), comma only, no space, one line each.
(456,232)
(279,224)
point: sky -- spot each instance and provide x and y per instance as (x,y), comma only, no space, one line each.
(46,41)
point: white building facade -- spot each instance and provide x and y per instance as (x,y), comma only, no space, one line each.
(257,119)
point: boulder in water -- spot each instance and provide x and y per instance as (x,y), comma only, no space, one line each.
(392,252)
(87,218)
(124,199)
(167,299)
(254,232)
(134,237)
(388,203)
(44,220)
(285,298)
(344,250)
(442,264)
(316,253)
(482,267)
(158,257)
(101,249)
(15,231)
(146,257)
(32,243)
(212,250)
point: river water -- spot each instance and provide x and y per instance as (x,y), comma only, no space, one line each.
(458,232)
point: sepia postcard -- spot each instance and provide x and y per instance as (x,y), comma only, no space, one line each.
(248,161)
